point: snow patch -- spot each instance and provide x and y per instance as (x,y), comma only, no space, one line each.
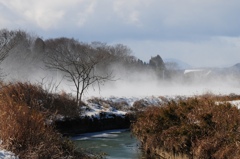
(108,107)
(235,103)
(7,155)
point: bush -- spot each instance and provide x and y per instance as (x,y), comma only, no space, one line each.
(23,128)
(39,99)
(139,105)
(196,127)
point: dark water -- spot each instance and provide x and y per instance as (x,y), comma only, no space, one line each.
(117,144)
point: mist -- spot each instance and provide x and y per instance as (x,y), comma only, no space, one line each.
(133,83)
(141,84)
(131,77)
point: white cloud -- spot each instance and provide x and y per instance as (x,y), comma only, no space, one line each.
(48,14)
(84,15)
(159,18)
(128,10)
(185,29)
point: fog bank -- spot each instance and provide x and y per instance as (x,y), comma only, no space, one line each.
(140,84)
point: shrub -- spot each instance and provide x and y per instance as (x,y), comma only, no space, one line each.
(139,105)
(23,128)
(196,127)
(39,99)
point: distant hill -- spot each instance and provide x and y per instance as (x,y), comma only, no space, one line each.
(235,69)
(236,66)
(180,64)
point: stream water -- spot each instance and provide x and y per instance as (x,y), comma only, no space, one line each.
(117,144)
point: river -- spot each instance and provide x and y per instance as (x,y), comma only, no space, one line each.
(117,144)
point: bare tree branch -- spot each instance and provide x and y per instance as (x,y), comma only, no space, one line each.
(77,61)
(8,40)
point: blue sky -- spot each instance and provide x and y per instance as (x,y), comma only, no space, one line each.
(199,32)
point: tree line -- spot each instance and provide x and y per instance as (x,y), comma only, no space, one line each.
(83,64)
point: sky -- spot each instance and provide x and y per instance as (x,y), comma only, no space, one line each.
(202,33)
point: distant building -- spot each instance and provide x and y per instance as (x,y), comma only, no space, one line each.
(197,73)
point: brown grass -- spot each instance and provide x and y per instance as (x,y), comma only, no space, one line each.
(139,105)
(197,127)
(37,98)
(23,128)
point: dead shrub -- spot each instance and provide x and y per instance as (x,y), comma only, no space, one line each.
(139,105)
(23,128)
(39,99)
(196,127)
(24,132)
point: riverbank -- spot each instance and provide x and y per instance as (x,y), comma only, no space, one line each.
(176,112)
(74,126)
(30,117)
(98,114)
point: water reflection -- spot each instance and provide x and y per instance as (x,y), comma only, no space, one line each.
(117,144)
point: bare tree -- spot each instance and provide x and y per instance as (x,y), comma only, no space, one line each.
(77,61)
(8,39)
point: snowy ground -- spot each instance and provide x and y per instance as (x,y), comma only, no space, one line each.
(235,103)
(117,106)
(7,155)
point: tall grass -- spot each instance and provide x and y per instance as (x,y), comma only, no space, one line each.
(24,109)
(196,127)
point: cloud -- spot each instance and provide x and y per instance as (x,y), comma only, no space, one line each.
(87,11)
(49,14)
(128,10)
(184,29)
(159,19)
